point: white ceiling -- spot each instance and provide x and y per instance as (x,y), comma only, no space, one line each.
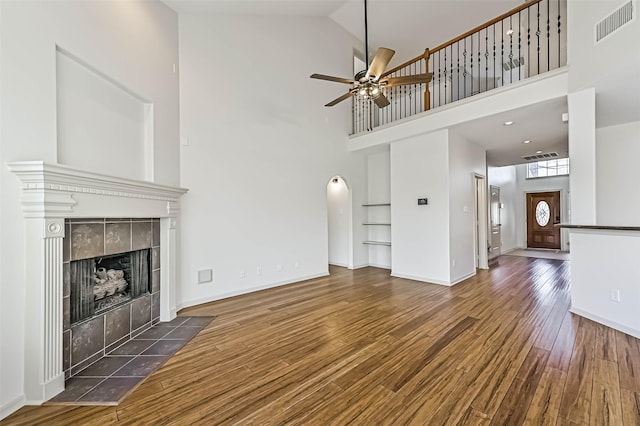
(257,7)
(407,26)
(410,26)
(540,123)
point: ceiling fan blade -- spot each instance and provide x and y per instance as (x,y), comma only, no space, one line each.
(380,62)
(340,99)
(381,101)
(409,79)
(335,79)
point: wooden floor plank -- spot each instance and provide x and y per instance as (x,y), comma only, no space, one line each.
(628,361)
(364,348)
(576,399)
(606,406)
(545,405)
(630,407)
(562,349)
(515,405)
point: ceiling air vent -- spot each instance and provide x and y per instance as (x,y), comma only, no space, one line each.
(543,156)
(613,22)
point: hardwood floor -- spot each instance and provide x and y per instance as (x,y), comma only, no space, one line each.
(360,347)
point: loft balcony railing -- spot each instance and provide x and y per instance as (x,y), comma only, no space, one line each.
(526,41)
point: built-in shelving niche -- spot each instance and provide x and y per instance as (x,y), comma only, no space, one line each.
(379,219)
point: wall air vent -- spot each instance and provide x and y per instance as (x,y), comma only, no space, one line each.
(513,63)
(543,156)
(613,22)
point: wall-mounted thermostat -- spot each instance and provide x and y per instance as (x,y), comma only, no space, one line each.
(423,201)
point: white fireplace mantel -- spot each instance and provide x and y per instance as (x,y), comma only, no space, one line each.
(55,190)
(50,194)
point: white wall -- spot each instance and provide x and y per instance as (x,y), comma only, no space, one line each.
(558,183)
(505,178)
(590,61)
(466,160)
(261,149)
(338,216)
(135,43)
(602,262)
(379,191)
(420,237)
(101,126)
(617,191)
(514,186)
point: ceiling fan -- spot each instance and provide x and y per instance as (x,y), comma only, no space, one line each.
(368,83)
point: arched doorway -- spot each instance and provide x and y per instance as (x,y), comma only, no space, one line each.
(339,223)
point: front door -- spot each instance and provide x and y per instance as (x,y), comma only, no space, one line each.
(543,212)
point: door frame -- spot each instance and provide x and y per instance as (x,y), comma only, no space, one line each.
(481,221)
(564,214)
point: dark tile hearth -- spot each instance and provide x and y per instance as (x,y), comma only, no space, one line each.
(108,380)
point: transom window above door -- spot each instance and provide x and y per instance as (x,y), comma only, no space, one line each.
(548,168)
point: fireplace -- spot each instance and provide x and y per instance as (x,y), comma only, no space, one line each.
(111,293)
(59,205)
(102,283)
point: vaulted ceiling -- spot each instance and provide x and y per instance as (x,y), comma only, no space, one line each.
(407,26)
(410,26)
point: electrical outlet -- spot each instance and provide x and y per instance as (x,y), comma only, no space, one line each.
(453,263)
(279,267)
(243,274)
(259,270)
(205,276)
(296,265)
(615,295)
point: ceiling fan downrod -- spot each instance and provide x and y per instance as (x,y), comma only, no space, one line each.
(366,38)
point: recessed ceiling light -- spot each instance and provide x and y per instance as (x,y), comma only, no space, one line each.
(508,123)
(527,141)
(538,152)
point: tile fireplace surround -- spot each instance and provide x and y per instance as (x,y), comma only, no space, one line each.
(54,193)
(92,338)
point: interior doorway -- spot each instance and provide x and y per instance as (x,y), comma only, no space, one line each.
(482,243)
(340,242)
(543,212)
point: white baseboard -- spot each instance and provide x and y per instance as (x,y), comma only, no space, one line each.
(459,280)
(593,317)
(364,265)
(12,406)
(421,279)
(194,302)
(377,265)
(343,265)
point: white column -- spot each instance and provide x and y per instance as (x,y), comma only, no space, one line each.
(44,377)
(168,267)
(582,153)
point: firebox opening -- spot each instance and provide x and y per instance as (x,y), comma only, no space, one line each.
(101,283)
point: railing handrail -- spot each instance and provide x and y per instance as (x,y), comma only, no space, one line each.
(462,36)
(487,24)
(485,66)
